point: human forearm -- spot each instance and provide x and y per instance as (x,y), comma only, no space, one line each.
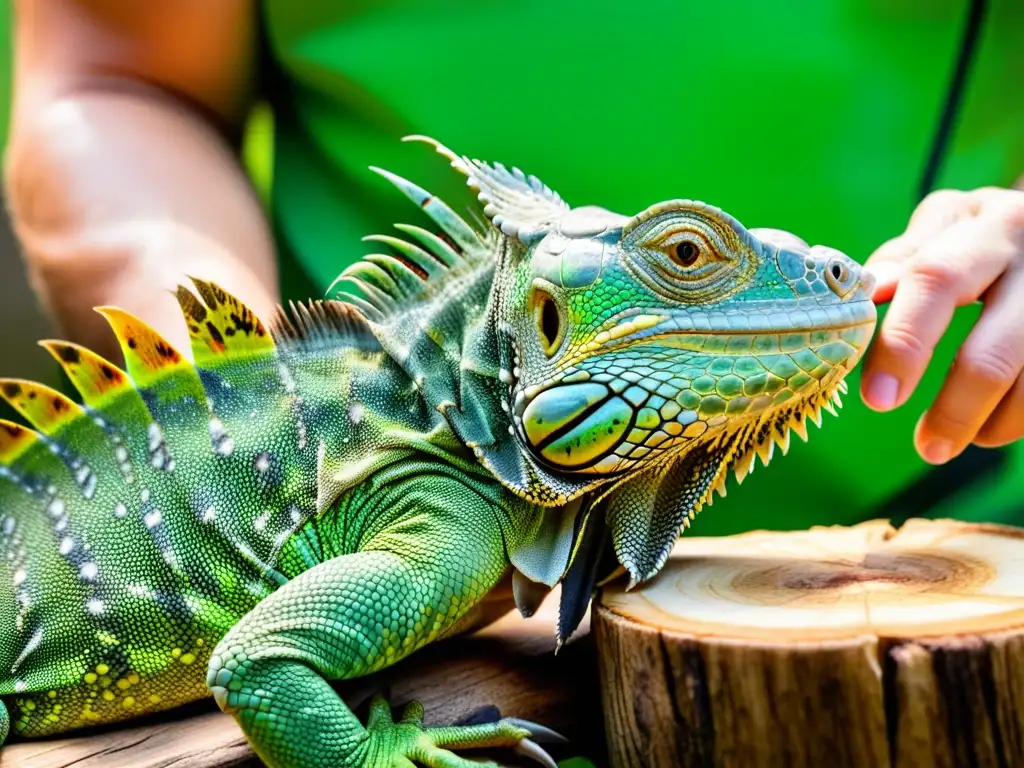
(117,194)
(120,174)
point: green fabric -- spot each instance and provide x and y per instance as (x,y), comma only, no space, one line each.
(816,118)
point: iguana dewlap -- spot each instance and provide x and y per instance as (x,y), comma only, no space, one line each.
(548,394)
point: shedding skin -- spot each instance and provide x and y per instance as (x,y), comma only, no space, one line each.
(554,392)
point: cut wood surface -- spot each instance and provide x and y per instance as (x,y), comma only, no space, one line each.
(509,665)
(861,646)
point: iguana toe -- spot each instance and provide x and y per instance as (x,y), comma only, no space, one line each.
(407,741)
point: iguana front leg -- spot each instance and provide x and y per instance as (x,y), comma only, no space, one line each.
(356,614)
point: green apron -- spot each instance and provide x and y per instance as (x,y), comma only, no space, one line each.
(817,117)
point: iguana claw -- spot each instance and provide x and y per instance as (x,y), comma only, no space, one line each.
(535,752)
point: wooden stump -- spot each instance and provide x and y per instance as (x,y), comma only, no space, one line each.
(835,647)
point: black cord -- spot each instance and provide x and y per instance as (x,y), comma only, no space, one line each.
(954,97)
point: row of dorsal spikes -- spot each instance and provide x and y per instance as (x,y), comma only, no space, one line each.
(220,326)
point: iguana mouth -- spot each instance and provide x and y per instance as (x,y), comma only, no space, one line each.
(857,334)
(855,323)
(809,318)
(651,397)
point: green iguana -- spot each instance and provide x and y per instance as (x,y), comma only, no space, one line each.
(499,405)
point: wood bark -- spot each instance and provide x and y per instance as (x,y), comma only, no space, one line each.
(840,647)
(509,666)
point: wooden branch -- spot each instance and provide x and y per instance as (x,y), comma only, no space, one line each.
(509,665)
(837,647)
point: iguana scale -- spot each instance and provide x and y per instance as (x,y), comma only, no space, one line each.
(509,398)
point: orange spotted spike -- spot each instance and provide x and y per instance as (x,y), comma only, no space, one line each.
(95,378)
(14,441)
(45,409)
(148,356)
(221,326)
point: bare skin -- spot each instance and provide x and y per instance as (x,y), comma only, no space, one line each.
(123,177)
(122,172)
(959,247)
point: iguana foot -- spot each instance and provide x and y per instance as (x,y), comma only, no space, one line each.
(407,742)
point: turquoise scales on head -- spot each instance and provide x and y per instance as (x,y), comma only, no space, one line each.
(537,398)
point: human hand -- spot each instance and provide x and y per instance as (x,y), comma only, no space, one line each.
(959,247)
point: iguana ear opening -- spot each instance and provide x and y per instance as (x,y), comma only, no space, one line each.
(520,206)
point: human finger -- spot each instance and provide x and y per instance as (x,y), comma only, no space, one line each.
(1006,424)
(986,368)
(951,269)
(936,212)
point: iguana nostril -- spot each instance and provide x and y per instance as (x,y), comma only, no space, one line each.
(842,277)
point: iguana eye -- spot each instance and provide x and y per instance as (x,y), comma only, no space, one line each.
(548,319)
(690,255)
(685,254)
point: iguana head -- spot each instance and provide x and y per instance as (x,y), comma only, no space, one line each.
(628,361)
(636,339)
(654,353)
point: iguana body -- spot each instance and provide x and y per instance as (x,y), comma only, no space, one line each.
(517,397)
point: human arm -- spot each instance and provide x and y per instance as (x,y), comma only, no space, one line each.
(121,173)
(959,247)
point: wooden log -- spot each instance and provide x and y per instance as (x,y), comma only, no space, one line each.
(510,666)
(838,647)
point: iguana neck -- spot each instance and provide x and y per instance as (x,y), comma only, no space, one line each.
(461,357)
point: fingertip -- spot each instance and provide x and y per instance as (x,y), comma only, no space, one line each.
(880,391)
(883,293)
(933,449)
(936,452)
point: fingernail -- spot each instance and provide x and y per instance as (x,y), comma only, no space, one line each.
(937,451)
(882,391)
